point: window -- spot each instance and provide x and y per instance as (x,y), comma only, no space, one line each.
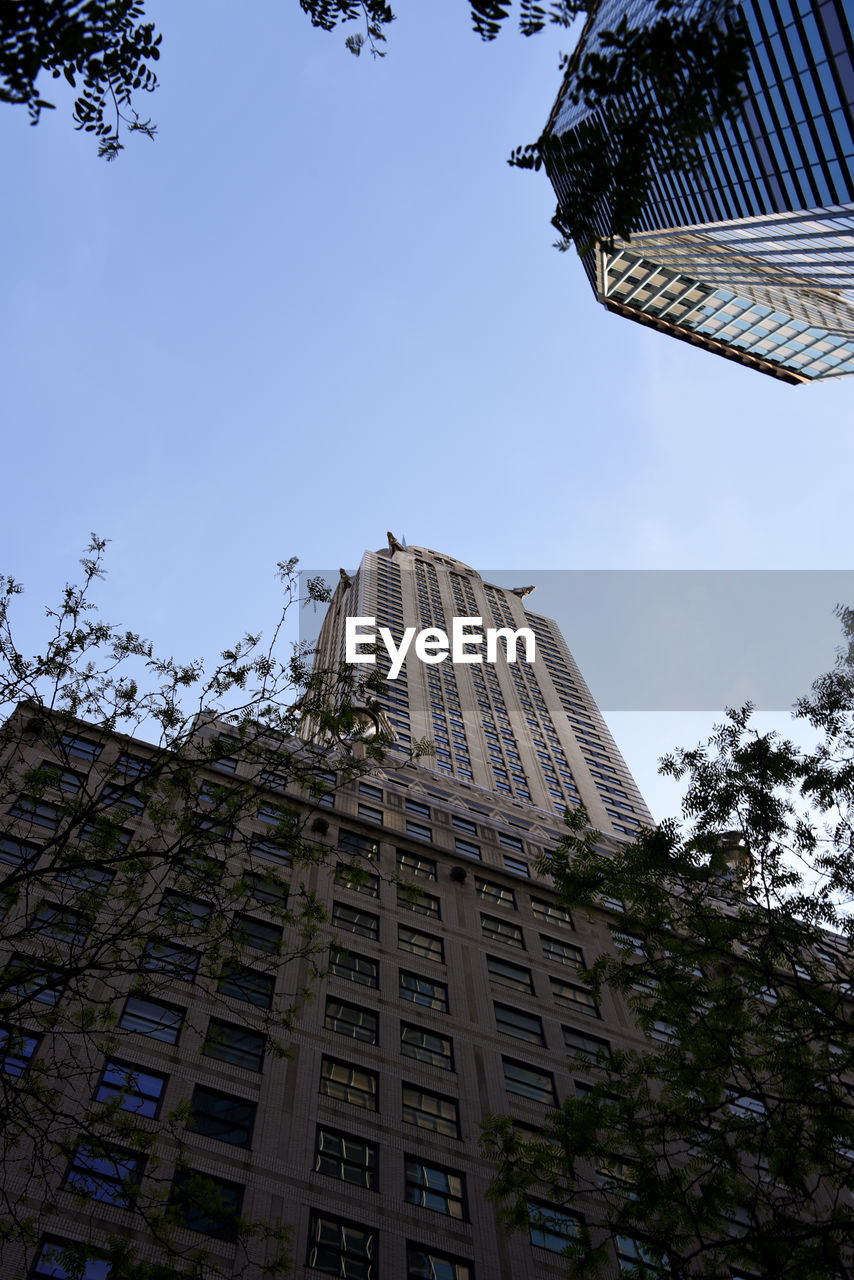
(61,922)
(573,997)
(524,1026)
(132,1088)
(83,748)
(349,1159)
(467,848)
(85,879)
(528,1083)
(636,1257)
(551,912)
(153,1018)
(516,866)
(271,851)
(510,842)
(463,824)
(265,888)
(430,1187)
(357,880)
(247,984)
(219,1115)
(370,814)
(37,811)
(426,1264)
(507,974)
(183,912)
(415,806)
(354,920)
(498,895)
(415,864)
(124,799)
(104,1173)
(551,1228)
(259,934)
(431,1111)
(16,1050)
(350,1020)
(341,1249)
(562,952)
(368,789)
(426,1046)
(62,1260)
(176,962)
(130,766)
(236,1045)
(426,945)
(423,991)
(423,904)
(350,1084)
(354,967)
(419,830)
(588,1046)
(60,779)
(501,931)
(17,853)
(353,842)
(208,1205)
(26,979)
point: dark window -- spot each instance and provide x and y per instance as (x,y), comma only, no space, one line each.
(418,830)
(581,1042)
(357,880)
(341,1249)
(416,807)
(463,824)
(206,1204)
(467,848)
(17,853)
(38,811)
(423,991)
(507,974)
(219,1115)
(123,799)
(259,934)
(271,851)
(423,904)
(353,842)
(368,789)
(351,1020)
(85,879)
(83,748)
(432,1111)
(234,1044)
(498,895)
(510,842)
(431,1187)
(132,1088)
(153,1018)
(414,864)
(420,944)
(370,814)
(354,967)
(62,1260)
(516,866)
(176,962)
(247,984)
(28,979)
(16,1050)
(348,1083)
(551,912)
(551,1228)
(265,888)
(523,1026)
(130,766)
(528,1083)
(562,952)
(427,1264)
(349,1159)
(183,912)
(573,997)
(354,920)
(502,931)
(104,1173)
(426,1046)
(61,922)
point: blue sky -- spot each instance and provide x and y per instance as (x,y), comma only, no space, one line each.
(321,305)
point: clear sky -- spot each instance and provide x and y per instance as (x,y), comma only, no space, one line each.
(319,306)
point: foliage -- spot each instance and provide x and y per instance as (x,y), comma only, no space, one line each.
(149,879)
(723,1142)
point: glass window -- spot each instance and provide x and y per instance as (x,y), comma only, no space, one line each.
(368,789)
(37,811)
(354,920)
(104,1173)
(271,851)
(131,1088)
(219,1115)
(422,903)
(551,912)
(206,1204)
(85,879)
(516,866)
(501,931)
(357,880)
(349,1159)
(183,912)
(347,1083)
(61,922)
(17,853)
(498,895)
(370,814)
(415,806)
(153,1018)
(415,864)
(510,842)
(351,1020)
(83,748)
(353,967)
(574,997)
(420,944)
(265,888)
(635,1257)
(63,1260)
(551,1228)
(236,1045)
(463,824)
(431,1187)
(562,952)
(353,842)
(467,848)
(524,1026)
(528,1083)
(426,1046)
(507,974)
(588,1046)
(423,1263)
(424,991)
(176,962)
(341,1249)
(247,984)
(432,1111)
(418,830)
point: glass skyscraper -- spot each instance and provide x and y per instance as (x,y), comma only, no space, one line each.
(751,255)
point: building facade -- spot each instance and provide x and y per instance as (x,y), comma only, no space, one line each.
(751,254)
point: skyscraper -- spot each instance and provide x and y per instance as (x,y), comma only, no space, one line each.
(751,254)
